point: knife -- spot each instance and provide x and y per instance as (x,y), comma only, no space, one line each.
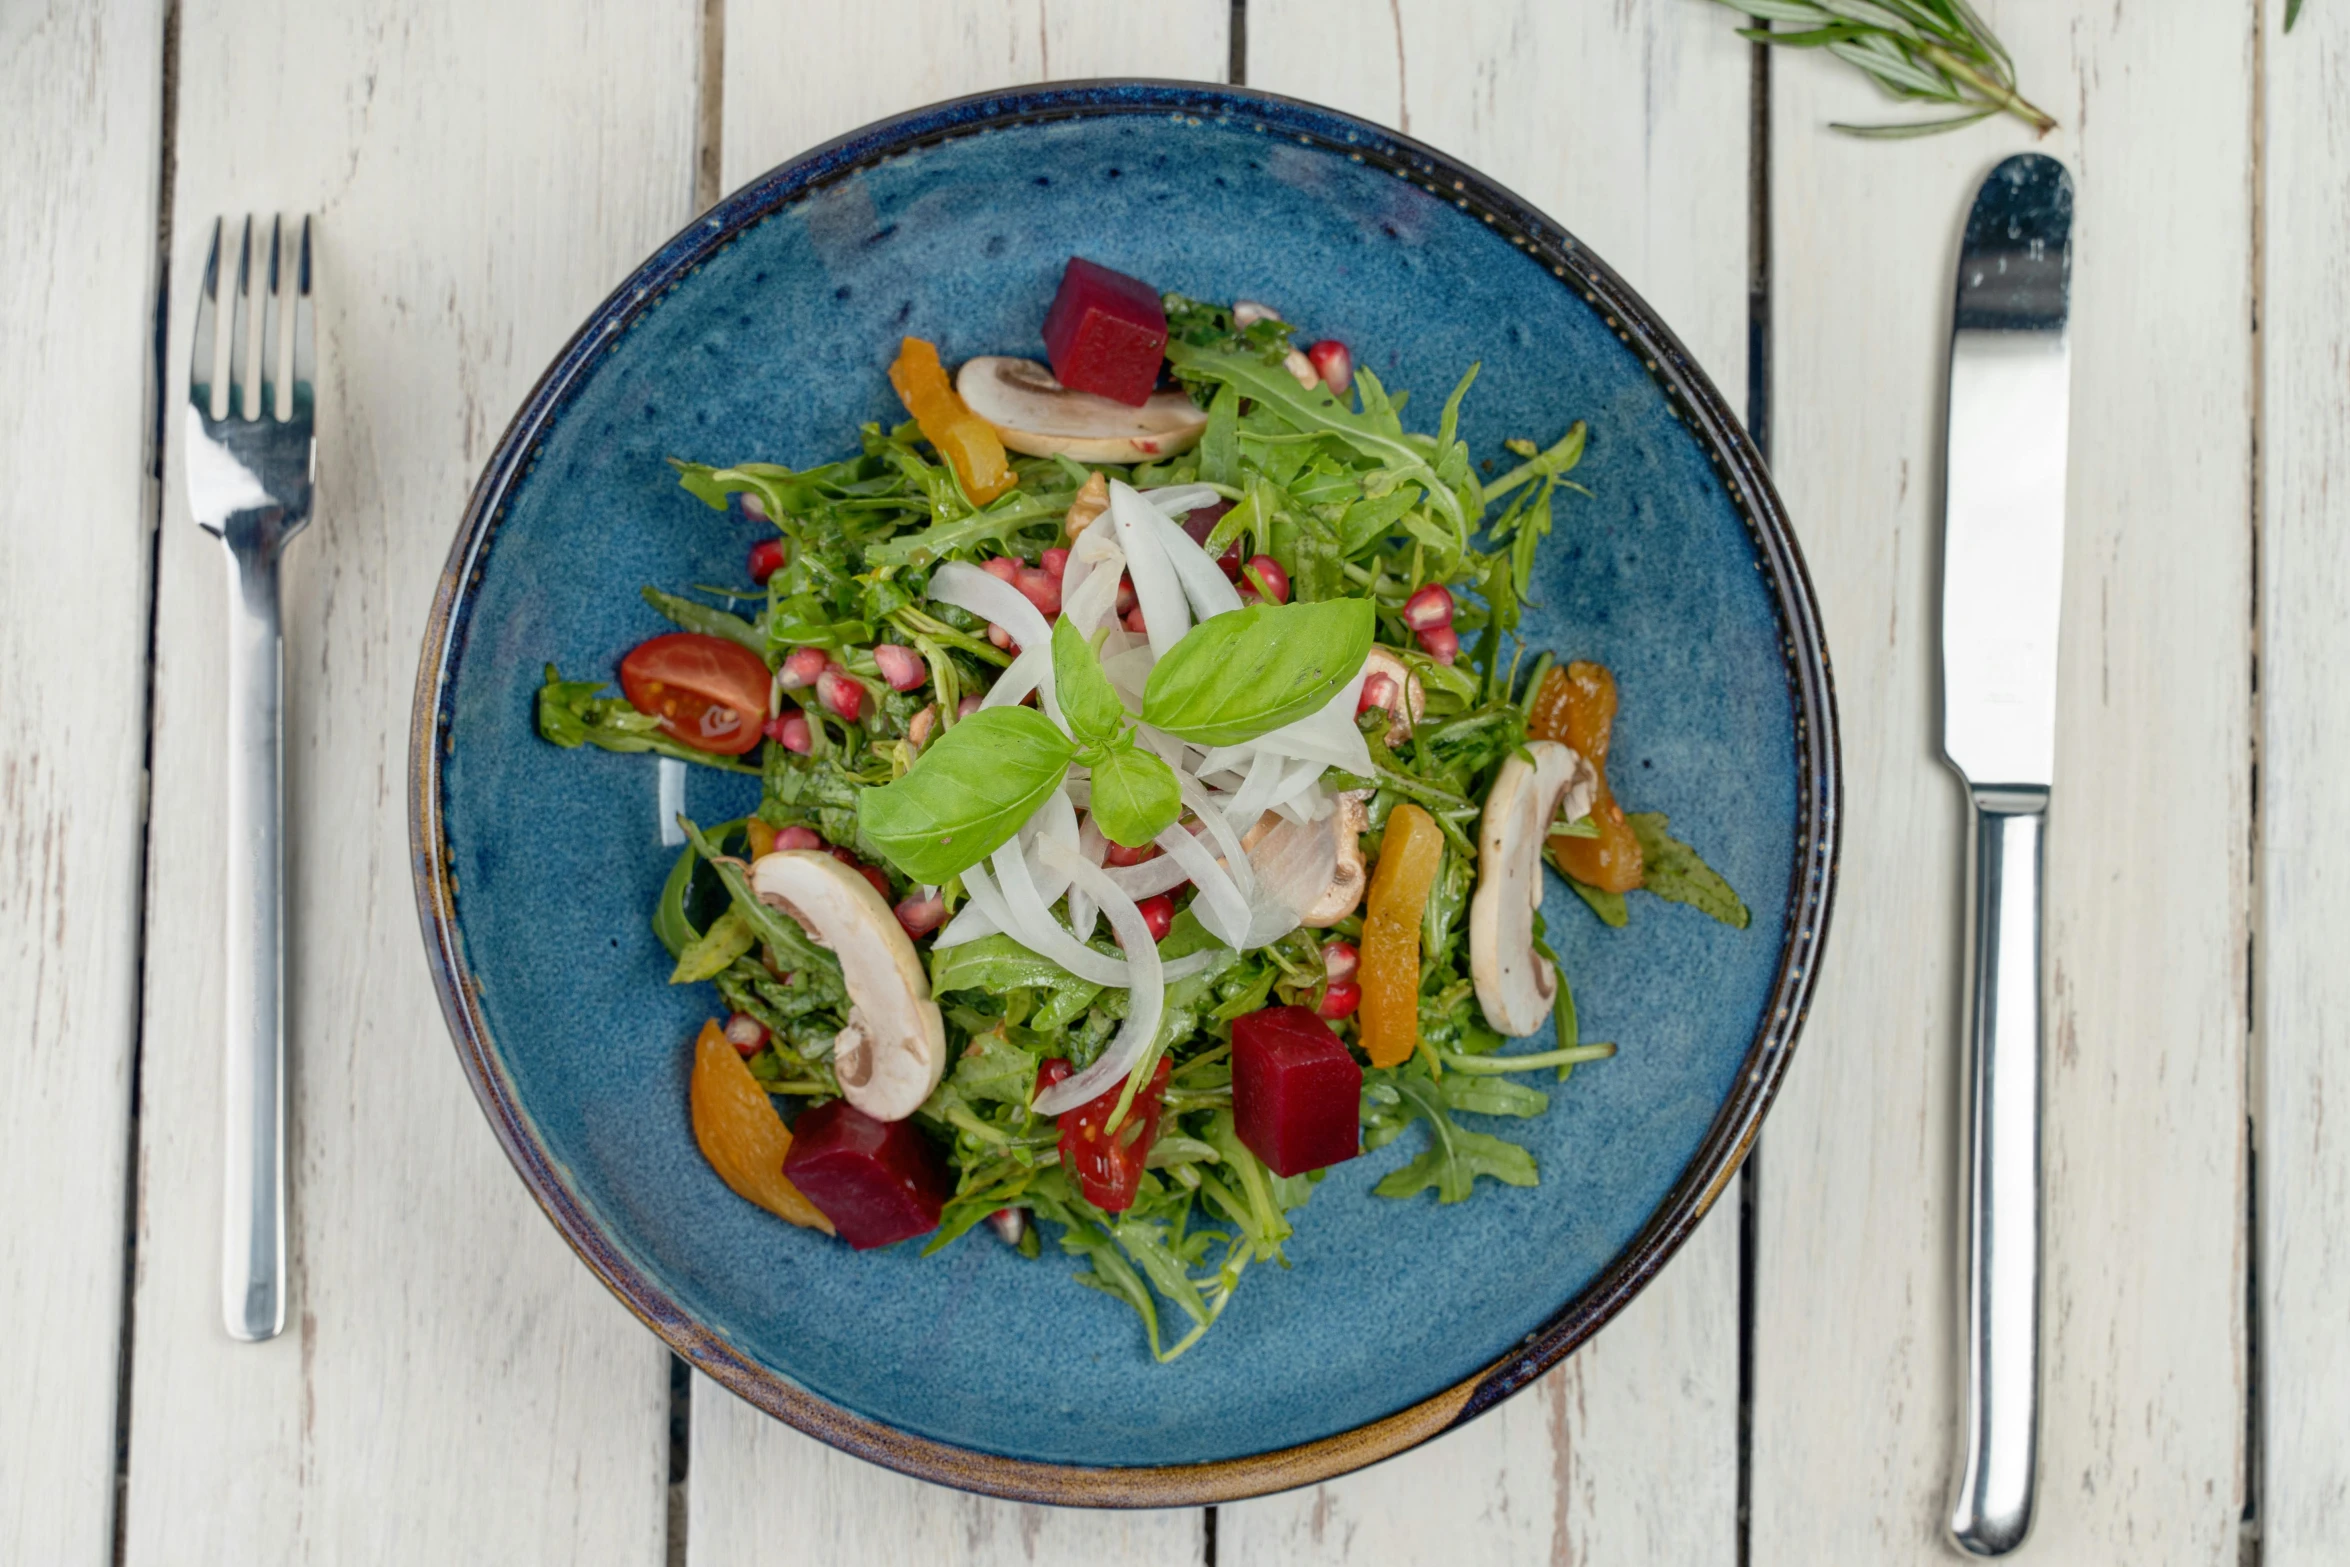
(2002,584)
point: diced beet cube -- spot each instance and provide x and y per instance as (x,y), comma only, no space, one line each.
(1296,1091)
(1106,333)
(879,1182)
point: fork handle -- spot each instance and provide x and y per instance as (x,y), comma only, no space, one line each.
(2000,1182)
(253,1236)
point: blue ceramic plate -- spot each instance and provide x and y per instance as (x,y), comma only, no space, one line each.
(762,332)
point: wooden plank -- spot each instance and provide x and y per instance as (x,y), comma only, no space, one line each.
(1628,125)
(795,77)
(2143,1392)
(454,1386)
(2305,744)
(84,86)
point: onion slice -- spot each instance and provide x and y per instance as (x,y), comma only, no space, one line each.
(1222,907)
(1166,611)
(1034,927)
(1146,996)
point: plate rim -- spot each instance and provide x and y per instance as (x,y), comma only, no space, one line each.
(1692,397)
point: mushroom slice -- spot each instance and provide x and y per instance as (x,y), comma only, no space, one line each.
(1348,823)
(1516,984)
(1035,414)
(1415,695)
(894,1050)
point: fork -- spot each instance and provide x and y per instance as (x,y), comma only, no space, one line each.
(251,460)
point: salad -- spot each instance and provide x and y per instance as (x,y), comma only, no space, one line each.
(1155,803)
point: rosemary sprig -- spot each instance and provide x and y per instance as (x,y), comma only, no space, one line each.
(1929,51)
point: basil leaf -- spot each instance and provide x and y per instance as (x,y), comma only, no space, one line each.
(1244,674)
(1088,700)
(1135,796)
(969,793)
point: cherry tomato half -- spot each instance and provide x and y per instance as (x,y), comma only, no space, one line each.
(1108,1165)
(709,693)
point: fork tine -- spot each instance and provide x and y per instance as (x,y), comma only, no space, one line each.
(203,374)
(271,302)
(240,351)
(300,392)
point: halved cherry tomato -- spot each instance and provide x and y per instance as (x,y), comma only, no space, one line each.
(709,693)
(1108,1165)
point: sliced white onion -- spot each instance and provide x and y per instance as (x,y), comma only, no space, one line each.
(1265,776)
(1177,499)
(1227,841)
(1082,909)
(969,924)
(1130,672)
(1294,863)
(1174,969)
(1222,907)
(1296,784)
(1056,821)
(1166,610)
(1146,996)
(1211,593)
(1034,926)
(1160,873)
(1091,593)
(1032,671)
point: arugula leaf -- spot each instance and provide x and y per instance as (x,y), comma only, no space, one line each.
(1241,675)
(691,615)
(777,929)
(571,715)
(1088,700)
(1135,795)
(994,1070)
(1454,1158)
(1673,872)
(1219,443)
(972,789)
(714,950)
(1609,906)
(997,966)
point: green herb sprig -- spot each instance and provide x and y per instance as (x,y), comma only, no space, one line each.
(1927,51)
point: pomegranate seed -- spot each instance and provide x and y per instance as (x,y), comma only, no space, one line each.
(753,506)
(1442,644)
(1247,313)
(966,707)
(1429,608)
(1378,692)
(902,667)
(1298,365)
(767,557)
(1340,959)
(1009,1223)
(1003,567)
(1333,363)
(1056,565)
(1134,622)
(801,669)
(746,1033)
(999,636)
(918,731)
(797,838)
(841,695)
(1041,588)
(1340,1000)
(1203,519)
(920,916)
(1126,599)
(792,733)
(1158,913)
(1269,572)
(1119,854)
(879,881)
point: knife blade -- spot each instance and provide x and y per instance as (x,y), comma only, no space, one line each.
(2002,588)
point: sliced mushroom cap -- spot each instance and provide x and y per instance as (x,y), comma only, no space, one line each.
(1034,413)
(894,1050)
(1348,823)
(1415,695)
(1516,984)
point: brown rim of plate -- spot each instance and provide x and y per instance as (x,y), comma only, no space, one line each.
(1804,920)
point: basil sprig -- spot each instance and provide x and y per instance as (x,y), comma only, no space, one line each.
(1244,674)
(1232,678)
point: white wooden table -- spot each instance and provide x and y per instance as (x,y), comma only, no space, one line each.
(456,1388)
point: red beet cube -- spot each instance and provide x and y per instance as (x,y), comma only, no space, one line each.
(1296,1091)
(879,1182)
(1106,333)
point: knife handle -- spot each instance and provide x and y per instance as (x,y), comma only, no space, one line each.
(1999,1379)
